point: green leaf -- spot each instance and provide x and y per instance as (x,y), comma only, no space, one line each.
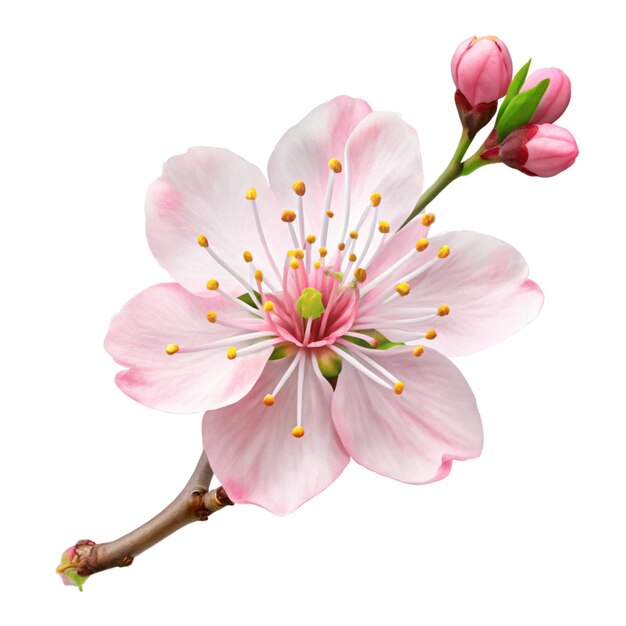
(521,109)
(309,305)
(513,90)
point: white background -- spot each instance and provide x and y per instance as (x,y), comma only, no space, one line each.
(94,97)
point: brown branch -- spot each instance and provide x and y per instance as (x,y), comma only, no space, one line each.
(194,503)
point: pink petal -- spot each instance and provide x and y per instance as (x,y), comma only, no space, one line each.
(303,154)
(202,192)
(483,281)
(413,437)
(383,155)
(181,382)
(253,453)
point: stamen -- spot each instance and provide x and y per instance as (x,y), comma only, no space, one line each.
(268,306)
(418,350)
(299,189)
(344,354)
(443,310)
(231,353)
(213,285)
(335,168)
(383,227)
(203,242)
(229,269)
(323,252)
(294,264)
(298,431)
(288,216)
(251,195)
(310,239)
(403,289)
(354,234)
(360,274)
(261,345)
(444,252)
(370,235)
(352,257)
(172,348)
(212,317)
(247,256)
(375,199)
(428,219)
(377,366)
(269,400)
(287,374)
(369,340)
(388,272)
(421,245)
(398,387)
(431,334)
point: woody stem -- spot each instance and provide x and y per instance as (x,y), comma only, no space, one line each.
(194,503)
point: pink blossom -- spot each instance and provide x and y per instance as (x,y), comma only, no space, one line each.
(294,381)
(556,98)
(537,150)
(482,69)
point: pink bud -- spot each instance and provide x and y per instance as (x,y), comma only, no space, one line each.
(482,69)
(556,98)
(537,150)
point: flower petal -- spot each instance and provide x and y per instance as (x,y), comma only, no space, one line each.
(383,156)
(413,437)
(483,281)
(182,382)
(253,453)
(203,192)
(303,153)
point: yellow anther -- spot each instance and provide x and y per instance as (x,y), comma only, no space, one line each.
(291,253)
(444,251)
(247,257)
(251,194)
(375,199)
(311,239)
(269,400)
(431,334)
(342,246)
(294,264)
(330,214)
(374,343)
(443,310)
(172,348)
(258,275)
(231,353)
(335,166)
(212,317)
(383,227)
(317,265)
(428,219)
(398,387)
(299,254)
(421,245)
(354,234)
(203,242)
(268,305)
(323,252)
(288,216)
(298,431)
(360,274)
(403,289)
(212,285)
(299,187)
(418,350)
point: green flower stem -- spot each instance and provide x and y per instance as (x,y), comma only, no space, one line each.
(452,172)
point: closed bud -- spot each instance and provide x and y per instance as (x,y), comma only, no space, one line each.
(536,149)
(482,69)
(557,96)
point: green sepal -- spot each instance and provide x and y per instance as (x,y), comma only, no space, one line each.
(521,109)
(513,90)
(79,581)
(282,350)
(245,297)
(383,342)
(309,305)
(330,364)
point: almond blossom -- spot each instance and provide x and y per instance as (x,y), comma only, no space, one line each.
(303,322)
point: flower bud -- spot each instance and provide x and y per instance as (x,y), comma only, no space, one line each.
(536,149)
(482,69)
(556,98)
(68,567)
